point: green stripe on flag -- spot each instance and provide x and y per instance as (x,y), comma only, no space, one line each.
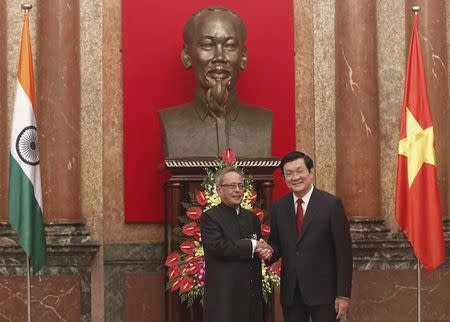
(25,216)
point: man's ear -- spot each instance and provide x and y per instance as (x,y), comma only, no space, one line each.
(244,58)
(186,57)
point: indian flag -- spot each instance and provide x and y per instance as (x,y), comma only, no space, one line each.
(25,194)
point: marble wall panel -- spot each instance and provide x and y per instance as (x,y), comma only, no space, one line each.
(448,72)
(91,115)
(140,304)
(391,73)
(58,104)
(115,228)
(70,251)
(324,94)
(391,296)
(53,298)
(124,258)
(304,76)
(357,117)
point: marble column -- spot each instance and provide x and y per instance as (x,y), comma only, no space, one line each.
(58,91)
(3,115)
(357,115)
(433,41)
(304,76)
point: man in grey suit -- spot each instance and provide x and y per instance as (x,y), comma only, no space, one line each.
(310,232)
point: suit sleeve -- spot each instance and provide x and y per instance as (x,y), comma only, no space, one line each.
(274,237)
(215,243)
(343,250)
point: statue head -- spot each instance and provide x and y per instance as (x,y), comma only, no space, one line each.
(214,46)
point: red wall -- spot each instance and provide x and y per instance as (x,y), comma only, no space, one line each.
(154,78)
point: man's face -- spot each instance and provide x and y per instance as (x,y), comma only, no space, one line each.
(297,177)
(231,190)
(217,54)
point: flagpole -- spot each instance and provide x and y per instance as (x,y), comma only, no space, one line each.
(416,10)
(419,289)
(28,289)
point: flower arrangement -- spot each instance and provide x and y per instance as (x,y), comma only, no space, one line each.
(186,265)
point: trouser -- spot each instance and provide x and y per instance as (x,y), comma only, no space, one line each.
(300,312)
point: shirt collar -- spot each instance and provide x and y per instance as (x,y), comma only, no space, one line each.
(305,198)
(236,210)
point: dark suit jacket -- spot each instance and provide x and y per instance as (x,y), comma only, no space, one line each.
(320,256)
(233,277)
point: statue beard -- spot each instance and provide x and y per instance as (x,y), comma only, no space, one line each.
(217,95)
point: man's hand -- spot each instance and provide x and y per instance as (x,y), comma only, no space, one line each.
(341,306)
(263,250)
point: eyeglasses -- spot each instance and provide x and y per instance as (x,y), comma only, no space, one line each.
(233,186)
(290,175)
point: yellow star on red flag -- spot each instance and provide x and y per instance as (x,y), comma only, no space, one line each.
(417,146)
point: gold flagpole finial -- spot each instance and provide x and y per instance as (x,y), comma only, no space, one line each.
(26,7)
(415,9)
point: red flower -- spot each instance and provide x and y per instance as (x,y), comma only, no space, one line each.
(276,267)
(190,229)
(174,273)
(258,212)
(194,213)
(265,230)
(193,268)
(191,258)
(186,284)
(228,156)
(200,196)
(176,285)
(172,259)
(187,247)
(197,235)
(252,196)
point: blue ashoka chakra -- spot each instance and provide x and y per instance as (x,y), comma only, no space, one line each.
(27,145)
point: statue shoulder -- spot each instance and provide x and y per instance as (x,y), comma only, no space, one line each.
(177,109)
(259,113)
(177,112)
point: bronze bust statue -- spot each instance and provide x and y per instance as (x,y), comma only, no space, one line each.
(214,46)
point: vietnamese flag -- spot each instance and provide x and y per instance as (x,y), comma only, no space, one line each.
(417,204)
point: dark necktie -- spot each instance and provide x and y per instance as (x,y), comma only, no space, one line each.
(299,215)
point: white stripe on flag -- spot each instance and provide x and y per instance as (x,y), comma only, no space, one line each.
(23,116)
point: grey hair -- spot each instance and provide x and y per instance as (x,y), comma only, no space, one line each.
(218,180)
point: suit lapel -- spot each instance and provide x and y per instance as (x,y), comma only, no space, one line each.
(290,216)
(309,215)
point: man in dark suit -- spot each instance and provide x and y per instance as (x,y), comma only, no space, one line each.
(230,237)
(310,232)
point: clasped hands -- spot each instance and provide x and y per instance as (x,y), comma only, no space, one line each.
(263,250)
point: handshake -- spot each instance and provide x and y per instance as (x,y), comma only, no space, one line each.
(263,250)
